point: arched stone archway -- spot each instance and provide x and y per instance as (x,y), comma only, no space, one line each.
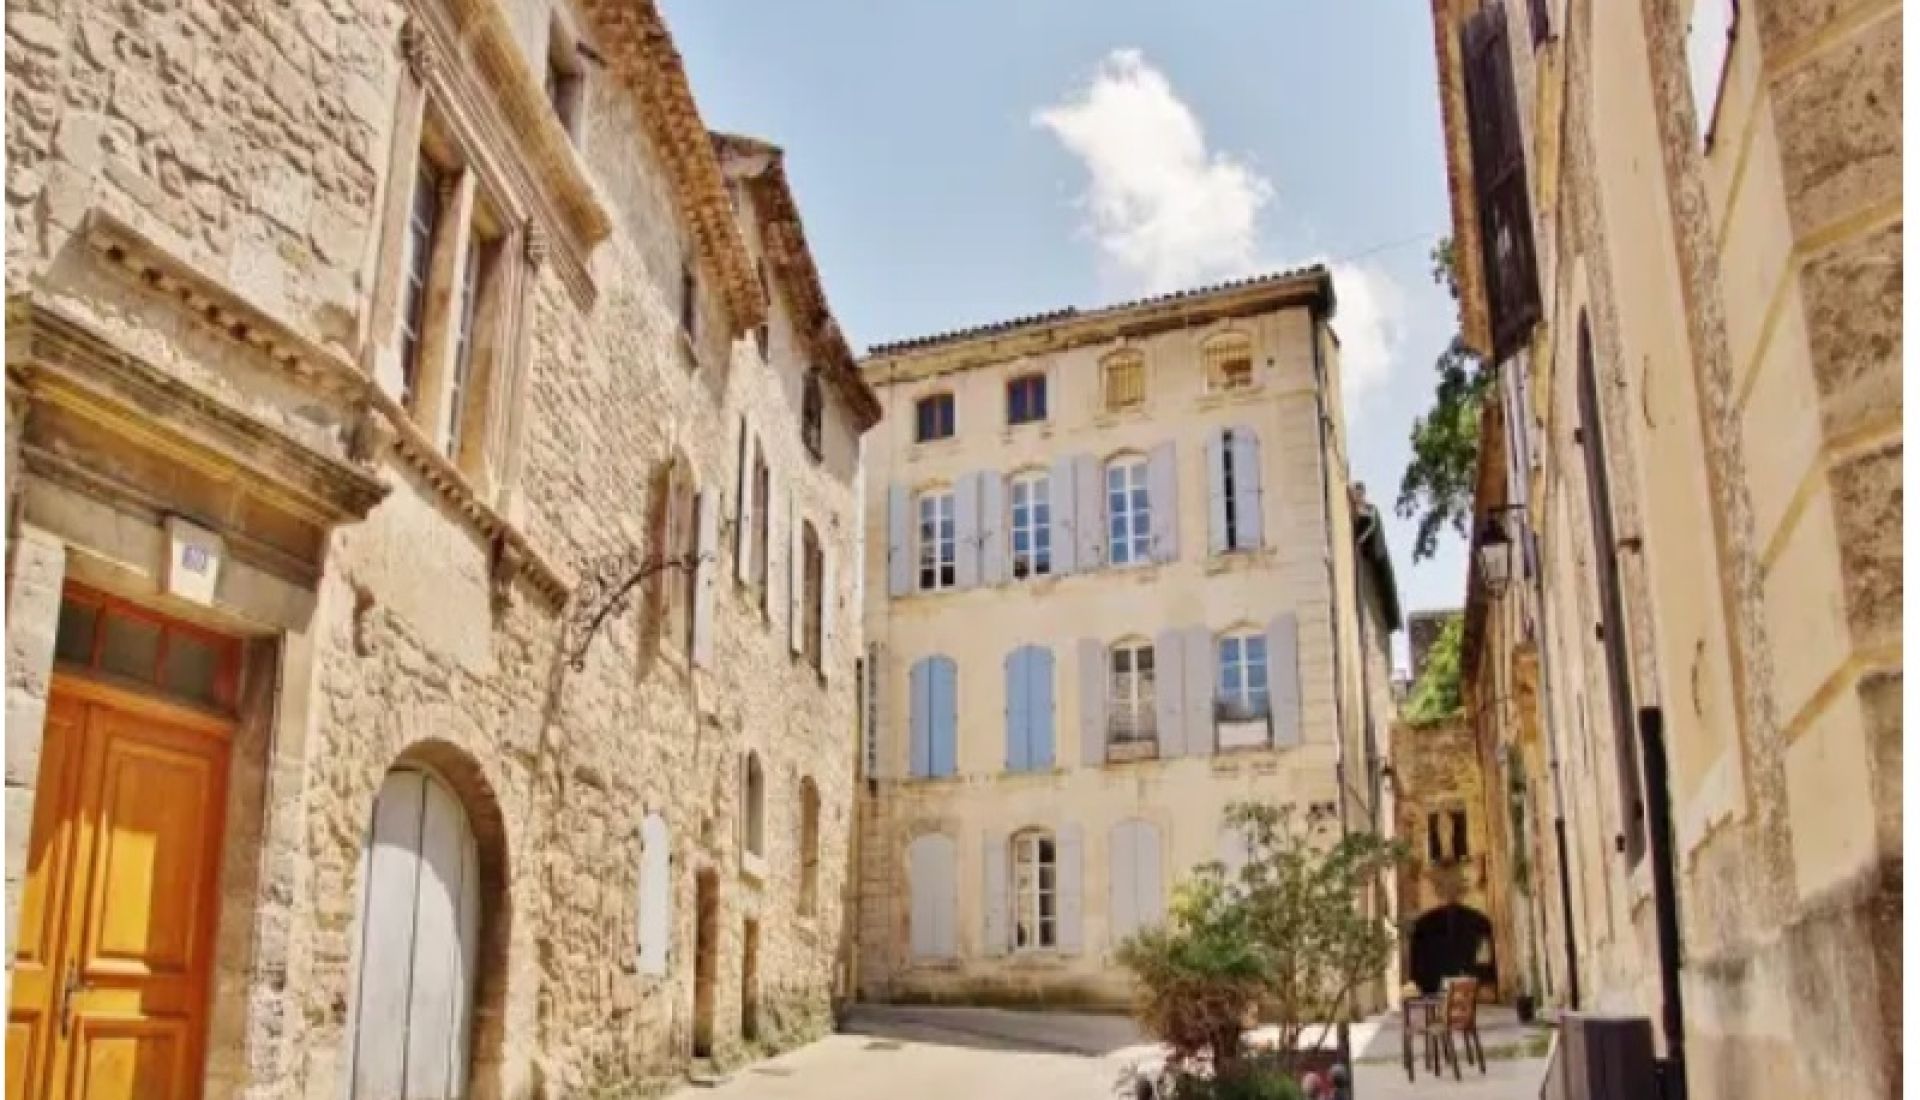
(431,930)
(1451,940)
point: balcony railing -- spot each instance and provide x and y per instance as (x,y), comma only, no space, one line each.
(1131,736)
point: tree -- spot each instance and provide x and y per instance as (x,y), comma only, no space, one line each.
(1437,486)
(1289,939)
(1436,695)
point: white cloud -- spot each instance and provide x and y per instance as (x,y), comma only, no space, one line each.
(1168,212)
(1367,314)
(1162,207)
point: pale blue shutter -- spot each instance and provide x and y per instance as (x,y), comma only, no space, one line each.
(1247,498)
(1122,918)
(966,531)
(899,545)
(1068,880)
(942,702)
(920,688)
(1169,692)
(1093,702)
(1040,707)
(1061,514)
(1283,678)
(993,527)
(1200,737)
(1089,512)
(930,896)
(993,892)
(1149,898)
(1163,481)
(1019,707)
(1217,494)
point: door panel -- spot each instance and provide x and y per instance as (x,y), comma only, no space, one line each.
(109,996)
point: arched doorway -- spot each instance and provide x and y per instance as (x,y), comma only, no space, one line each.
(418,943)
(1449,941)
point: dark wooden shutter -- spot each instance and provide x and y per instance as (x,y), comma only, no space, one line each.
(1542,27)
(1500,181)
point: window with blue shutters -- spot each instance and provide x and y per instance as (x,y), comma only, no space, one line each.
(1031,513)
(938,569)
(1129,512)
(933,683)
(1030,709)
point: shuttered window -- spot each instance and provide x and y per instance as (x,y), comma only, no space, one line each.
(1500,180)
(931,892)
(1030,709)
(813,412)
(1035,891)
(933,686)
(1123,380)
(1032,525)
(1129,512)
(938,570)
(1134,889)
(1229,362)
(1130,706)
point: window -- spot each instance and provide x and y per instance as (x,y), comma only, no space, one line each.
(1130,693)
(1229,496)
(812,413)
(809,847)
(1710,30)
(1436,852)
(755,833)
(675,524)
(1459,819)
(933,418)
(1123,380)
(1242,694)
(1035,892)
(1500,182)
(1032,525)
(1027,399)
(1450,845)
(689,304)
(936,541)
(1129,513)
(566,80)
(478,250)
(1229,362)
(762,508)
(762,332)
(812,579)
(422,219)
(99,633)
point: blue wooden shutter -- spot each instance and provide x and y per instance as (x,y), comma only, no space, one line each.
(1060,510)
(1247,498)
(966,531)
(1163,481)
(899,546)
(1040,707)
(942,703)
(920,687)
(1283,678)
(1217,494)
(1019,707)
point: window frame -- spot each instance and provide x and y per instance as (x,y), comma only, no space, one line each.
(934,402)
(753,838)
(1222,348)
(1110,364)
(943,565)
(1036,410)
(1132,717)
(1035,895)
(1242,702)
(1136,494)
(813,414)
(813,595)
(1036,561)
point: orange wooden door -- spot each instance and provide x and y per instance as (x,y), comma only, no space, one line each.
(118,910)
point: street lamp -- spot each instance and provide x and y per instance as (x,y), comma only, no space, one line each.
(1495,551)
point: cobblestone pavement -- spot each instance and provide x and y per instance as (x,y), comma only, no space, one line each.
(967,1054)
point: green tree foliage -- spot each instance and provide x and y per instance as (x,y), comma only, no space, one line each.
(1287,940)
(1436,695)
(1437,487)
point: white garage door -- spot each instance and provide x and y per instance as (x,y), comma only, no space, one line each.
(418,932)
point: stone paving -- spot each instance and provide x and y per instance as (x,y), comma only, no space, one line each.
(965,1053)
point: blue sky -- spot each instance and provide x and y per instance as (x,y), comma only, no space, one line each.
(966,162)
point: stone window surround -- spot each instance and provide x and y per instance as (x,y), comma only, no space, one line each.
(1224,347)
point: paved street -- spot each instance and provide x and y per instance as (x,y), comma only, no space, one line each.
(963,1054)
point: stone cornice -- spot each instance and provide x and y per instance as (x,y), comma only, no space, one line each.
(638,47)
(381,420)
(500,101)
(1067,329)
(1474,324)
(783,237)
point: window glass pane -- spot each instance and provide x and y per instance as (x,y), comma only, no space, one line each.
(73,640)
(130,647)
(189,667)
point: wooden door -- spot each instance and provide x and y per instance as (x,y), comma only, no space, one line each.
(419,933)
(109,996)
(706,959)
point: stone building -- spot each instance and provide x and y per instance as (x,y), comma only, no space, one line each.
(358,357)
(1678,227)
(1117,580)
(1446,888)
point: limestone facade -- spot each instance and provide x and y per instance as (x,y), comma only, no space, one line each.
(422,460)
(1046,513)
(1696,450)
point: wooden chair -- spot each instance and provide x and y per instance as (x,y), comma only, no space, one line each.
(1463,1019)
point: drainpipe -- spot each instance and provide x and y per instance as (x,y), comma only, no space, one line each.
(1333,586)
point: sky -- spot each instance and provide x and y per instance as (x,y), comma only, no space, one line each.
(959,163)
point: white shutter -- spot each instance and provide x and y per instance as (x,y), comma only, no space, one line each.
(1122,916)
(1093,702)
(966,531)
(1216,494)
(1199,729)
(1163,483)
(1169,692)
(994,557)
(1089,512)
(1248,499)
(1283,678)
(993,892)
(828,597)
(1060,511)
(930,896)
(899,542)
(1149,898)
(656,895)
(743,510)
(1069,880)
(796,586)
(707,550)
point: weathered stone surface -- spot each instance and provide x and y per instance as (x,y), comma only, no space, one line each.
(1838,118)
(1852,295)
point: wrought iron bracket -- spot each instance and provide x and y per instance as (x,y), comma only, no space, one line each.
(606,589)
